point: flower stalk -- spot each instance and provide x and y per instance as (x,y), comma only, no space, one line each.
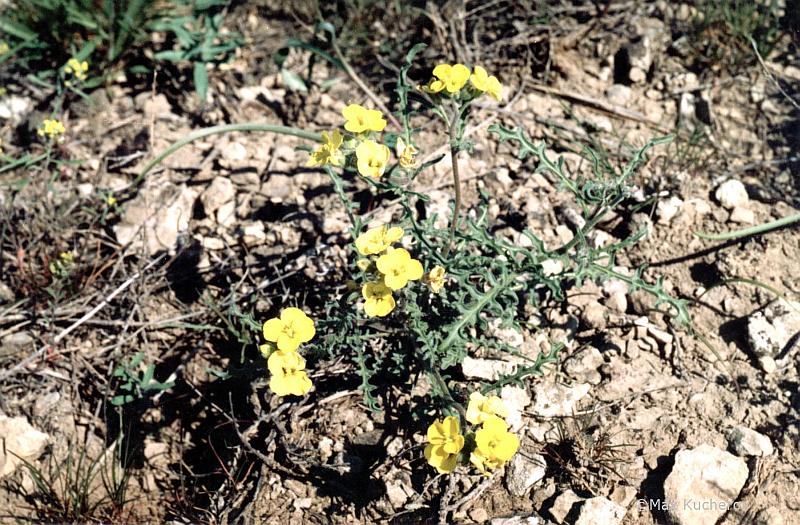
(456,184)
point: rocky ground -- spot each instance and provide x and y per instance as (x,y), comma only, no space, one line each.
(639,422)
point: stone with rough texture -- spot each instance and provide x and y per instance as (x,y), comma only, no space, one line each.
(743,215)
(732,194)
(155,217)
(584,364)
(556,400)
(14,108)
(600,510)
(524,472)
(704,483)
(618,94)
(770,330)
(490,369)
(668,209)
(747,442)
(516,520)
(17,340)
(563,504)
(515,399)
(479,514)
(767,364)
(219,192)
(18,441)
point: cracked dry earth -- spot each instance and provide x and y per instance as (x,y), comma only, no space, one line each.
(639,422)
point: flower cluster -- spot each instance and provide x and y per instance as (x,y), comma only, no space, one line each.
(77,69)
(370,156)
(285,334)
(488,448)
(451,79)
(392,268)
(52,129)
(60,268)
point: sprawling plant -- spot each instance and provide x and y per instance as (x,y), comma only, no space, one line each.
(424,297)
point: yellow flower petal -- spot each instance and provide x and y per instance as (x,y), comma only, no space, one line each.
(360,119)
(378,299)
(372,158)
(398,268)
(272,329)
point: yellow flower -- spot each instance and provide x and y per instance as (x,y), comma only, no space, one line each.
(484,83)
(371,158)
(66,257)
(288,374)
(494,445)
(111,200)
(377,240)
(406,154)
(267,349)
(436,279)
(290,330)
(4,48)
(360,119)
(398,268)
(51,128)
(378,299)
(444,443)
(363,264)
(449,78)
(482,408)
(76,68)
(328,152)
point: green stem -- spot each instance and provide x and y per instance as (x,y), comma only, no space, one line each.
(437,378)
(754,230)
(456,184)
(588,227)
(27,160)
(338,187)
(225,128)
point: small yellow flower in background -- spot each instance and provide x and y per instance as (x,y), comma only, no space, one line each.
(66,257)
(328,152)
(377,240)
(449,78)
(435,279)
(371,158)
(4,48)
(398,268)
(51,128)
(484,83)
(406,154)
(482,408)
(3,91)
(363,264)
(360,119)
(111,200)
(288,374)
(76,68)
(289,330)
(494,445)
(444,443)
(378,299)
